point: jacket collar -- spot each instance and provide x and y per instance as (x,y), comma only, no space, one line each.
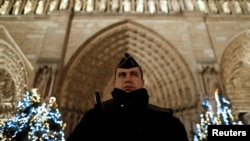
(137,99)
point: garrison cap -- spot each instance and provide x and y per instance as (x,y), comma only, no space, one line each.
(127,62)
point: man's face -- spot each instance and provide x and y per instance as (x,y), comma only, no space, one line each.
(128,79)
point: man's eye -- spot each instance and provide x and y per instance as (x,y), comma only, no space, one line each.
(134,74)
(122,74)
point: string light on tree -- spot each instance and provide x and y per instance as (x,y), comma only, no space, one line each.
(221,115)
(34,120)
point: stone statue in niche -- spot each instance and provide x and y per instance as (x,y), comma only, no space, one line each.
(64,5)
(237,7)
(208,77)
(189,5)
(4,7)
(176,6)
(102,5)
(212,6)
(40,7)
(151,6)
(28,7)
(202,6)
(225,7)
(114,5)
(16,7)
(43,80)
(126,5)
(164,6)
(78,5)
(90,6)
(53,5)
(247,5)
(139,6)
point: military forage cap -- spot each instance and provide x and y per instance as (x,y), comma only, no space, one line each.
(127,62)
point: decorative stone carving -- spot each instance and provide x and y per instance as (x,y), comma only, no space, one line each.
(7,92)
(6,110)
(7,87)
(246,118)
(134,6)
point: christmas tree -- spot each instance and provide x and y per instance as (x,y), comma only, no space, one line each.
(34,121)
(214,114)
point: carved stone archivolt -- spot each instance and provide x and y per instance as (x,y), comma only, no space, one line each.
(167,77)
(14,69)
(7,94)
(236,72)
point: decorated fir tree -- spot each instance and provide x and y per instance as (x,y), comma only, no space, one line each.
(34,121)
(218,114)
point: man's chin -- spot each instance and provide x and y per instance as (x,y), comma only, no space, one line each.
(128,90)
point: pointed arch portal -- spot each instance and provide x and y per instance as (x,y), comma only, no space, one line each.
(167,77)
(235,69)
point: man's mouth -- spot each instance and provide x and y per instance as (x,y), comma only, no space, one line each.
(128,88)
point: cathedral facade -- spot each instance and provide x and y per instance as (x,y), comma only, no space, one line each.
(69,49)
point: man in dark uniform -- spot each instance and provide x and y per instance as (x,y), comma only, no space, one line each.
(128,115)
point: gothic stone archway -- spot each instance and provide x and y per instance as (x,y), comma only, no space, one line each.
(168,79)
(235,72)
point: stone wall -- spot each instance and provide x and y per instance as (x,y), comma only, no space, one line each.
(70,53)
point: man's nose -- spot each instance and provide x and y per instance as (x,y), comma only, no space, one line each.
(128,77)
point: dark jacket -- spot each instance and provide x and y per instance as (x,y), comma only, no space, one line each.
(129,116)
